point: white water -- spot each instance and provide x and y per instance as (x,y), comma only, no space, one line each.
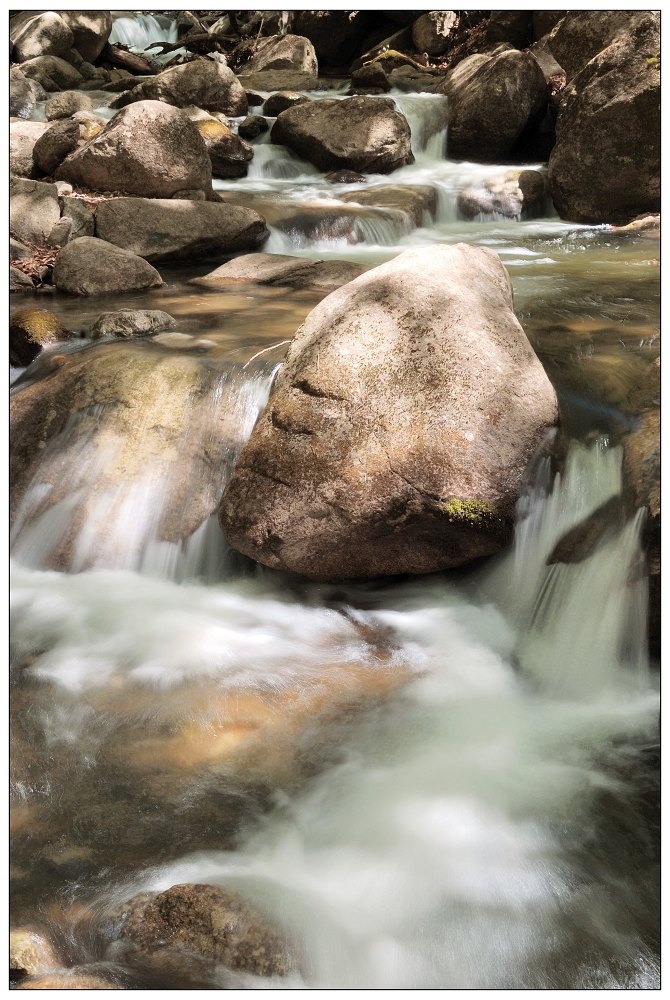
(139,31)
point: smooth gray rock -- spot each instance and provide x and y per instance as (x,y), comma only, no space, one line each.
(90,266)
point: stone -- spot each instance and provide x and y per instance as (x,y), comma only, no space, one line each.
(90,266)
(59,235)
(131,323)
(544,21)
(280,270)
(22,138)
(230,155)
(515,194)
(337,35)
(209,922)
(283,99)
(270,80)
(284,52)
(23,94)
(158,229)
(67,103)
(493,100)
(203,83)
(512,26)
(357,133)
(252,127)
(30,331)
(582,34)
(17,251)
(91,30)
(68,979)
(52,73)
(33,210)
(81,218)
(605,166)
(400,427)
(19,281)
(371,77)
(44,34)
(30,953)
(418,201)
(148,149)
(59,140)
(345,177)
(431,32)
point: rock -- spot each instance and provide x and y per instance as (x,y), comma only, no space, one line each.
(415,200)
(582,34)
(18,281)
(17,251)
(254,100)
(90,266)
(30,953)
(81,218)
(284,52)
(545,60)
(58,237)
(158,229)
(209,922)
(23,94)
(203,83)
(545,21)
(44,34)
(91,30)
(337,35)
(648,225)
(131,323)
(281,101)
(357,133)
(22,139)
(148,149)
(398,42)
(371,77)
(55,144)
(33,210)
(515,194)
(605,166)
(52,73)
(30,331)
(345,177)
(431,32)
(67,103)
(399,428)
(512,26)
(280,270)
(492,101)
(68,979)
(90,125)
(252,127)
(161,425)
(269,80)
(229,155)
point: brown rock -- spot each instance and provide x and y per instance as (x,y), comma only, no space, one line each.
(52,72)
(43,34)
(30,953)
(67,103)
(90,28)
(30,330)
(203,83)
(582,34)
(281,101)
(399,428)
(284,52)
(253,126)
(337,35)
(33,210)
(23,94)
(416,200)
(131,323)
(230,156)
(90,266)
(512,26)
(22,138)
(279,269)
(431,32)
(59,140)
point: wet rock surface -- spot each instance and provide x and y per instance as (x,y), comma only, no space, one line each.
(280,270)
(31,330)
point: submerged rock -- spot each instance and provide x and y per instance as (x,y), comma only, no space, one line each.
(515,194)
(30,954)
(31,330)
(357,133)
(415,200)
(279,269)
(90,266)
(399,428)
(131,323)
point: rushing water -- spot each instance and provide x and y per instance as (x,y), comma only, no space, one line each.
(443,782)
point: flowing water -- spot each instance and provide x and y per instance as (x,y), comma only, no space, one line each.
(441,782)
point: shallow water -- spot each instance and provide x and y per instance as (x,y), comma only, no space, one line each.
(444,782)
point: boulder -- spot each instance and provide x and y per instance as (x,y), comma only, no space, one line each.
(148,149)
(91,30)
(81,218)
(357,133)
(23,94)
(30,954)
(415,200)
(68,979)
(400,427)
(371,77)
(280,270)
(33,210)
(44,34)
(90,266)
(22,138)
(132,323)
(19,281)
(493,102)
(57,142)
(281,101)
(52,73)
(269,80)
(158,229)
(252,127)
(30,331)
(67,103)
(284,52)
(337,35)
(605,166)
(431,32)
(230,156)
(582,34)
(209,922)
(17,251)
(203,83)
(512,26)
(515,194)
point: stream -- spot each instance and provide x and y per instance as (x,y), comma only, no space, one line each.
(438,782)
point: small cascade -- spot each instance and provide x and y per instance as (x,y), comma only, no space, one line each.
(138,31)
(274,163)
(426,115)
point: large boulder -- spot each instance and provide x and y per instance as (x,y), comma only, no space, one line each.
(605,166)
(358,133)
(431,32)
(22,138)
(148,149)
(90,266)
(207,922)
(287,52)
(33,210)
(203,83)
(160,228)
(57,142)
(52,73)
(399,429)
(493,102)
(43,34)
(90,28)
(582,34)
